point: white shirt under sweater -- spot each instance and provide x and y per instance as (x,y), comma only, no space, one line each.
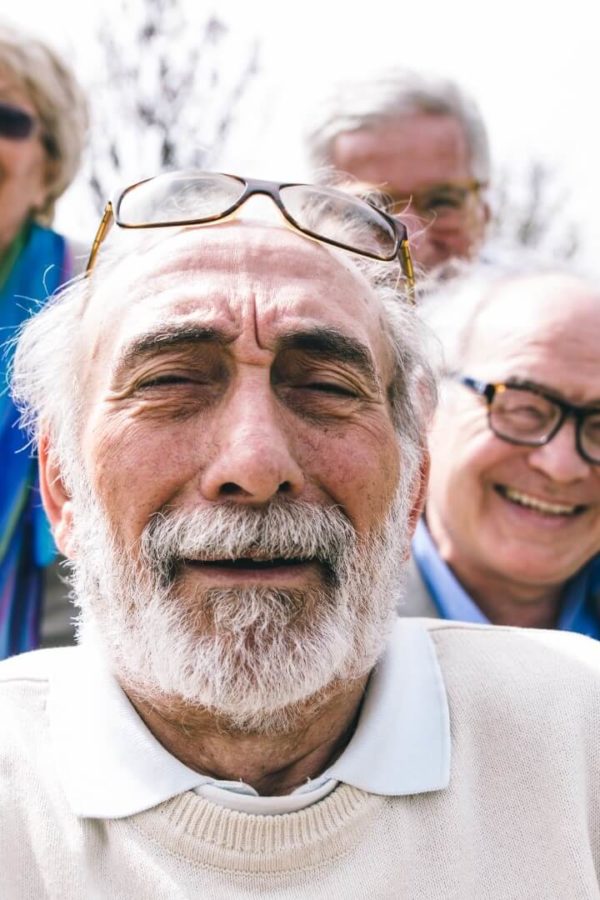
(110,765)
(519,819)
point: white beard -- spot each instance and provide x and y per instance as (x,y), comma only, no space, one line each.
(251,656)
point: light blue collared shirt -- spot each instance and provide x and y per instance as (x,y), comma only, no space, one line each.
(110,764)
(579,610)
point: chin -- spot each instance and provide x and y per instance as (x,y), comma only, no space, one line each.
(542,570)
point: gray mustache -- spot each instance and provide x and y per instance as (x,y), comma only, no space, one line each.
(290,529)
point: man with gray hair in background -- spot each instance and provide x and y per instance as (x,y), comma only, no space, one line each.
(232,424)
(511,533)
(421,140)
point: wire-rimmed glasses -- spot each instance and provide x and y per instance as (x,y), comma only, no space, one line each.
(525,414)
(325,214)
(446,203)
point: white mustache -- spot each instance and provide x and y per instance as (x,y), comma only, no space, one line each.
(290,529)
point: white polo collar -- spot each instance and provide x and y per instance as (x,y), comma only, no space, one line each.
(110,765)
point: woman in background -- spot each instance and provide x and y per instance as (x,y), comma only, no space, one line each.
(42,128)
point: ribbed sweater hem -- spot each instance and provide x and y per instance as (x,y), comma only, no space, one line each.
(206,834)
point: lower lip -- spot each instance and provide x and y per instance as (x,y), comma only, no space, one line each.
(293,574)
(528,516)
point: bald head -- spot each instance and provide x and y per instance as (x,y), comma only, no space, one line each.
(473,314)
(557,308)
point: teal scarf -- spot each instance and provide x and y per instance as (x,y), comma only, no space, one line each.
(26,545)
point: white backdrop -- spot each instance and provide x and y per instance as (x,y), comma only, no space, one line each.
(533,66)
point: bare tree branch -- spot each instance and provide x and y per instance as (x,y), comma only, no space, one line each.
(529,212)
(168,95)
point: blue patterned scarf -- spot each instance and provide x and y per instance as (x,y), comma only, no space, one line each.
(26,545)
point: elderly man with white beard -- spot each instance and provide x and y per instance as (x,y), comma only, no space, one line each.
(231,419)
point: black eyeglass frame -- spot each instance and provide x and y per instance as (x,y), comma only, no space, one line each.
(488,391)
(270,189)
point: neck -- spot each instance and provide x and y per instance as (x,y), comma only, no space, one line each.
(10,249)
(273,764)
(525,608)
(502,600)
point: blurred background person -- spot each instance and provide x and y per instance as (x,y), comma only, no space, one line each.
(422,141)
(42,127)
(511,532)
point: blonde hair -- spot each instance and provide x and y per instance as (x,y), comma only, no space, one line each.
(59,102)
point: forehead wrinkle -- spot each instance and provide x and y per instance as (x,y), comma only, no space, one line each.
(228,246)
(191,278)
(216,256)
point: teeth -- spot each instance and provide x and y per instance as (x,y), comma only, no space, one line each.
(553,509)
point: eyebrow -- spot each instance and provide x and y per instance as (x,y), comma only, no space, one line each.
(331,344)
(166,338)
(328,343)
(550,392)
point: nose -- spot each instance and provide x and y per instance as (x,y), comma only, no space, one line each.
(434,244)
(253,461)
(559,459)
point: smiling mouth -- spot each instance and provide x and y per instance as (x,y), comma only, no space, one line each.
(541,506)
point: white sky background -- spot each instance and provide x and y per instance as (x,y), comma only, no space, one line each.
(533,66)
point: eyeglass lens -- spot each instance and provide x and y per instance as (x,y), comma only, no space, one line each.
(444,201)
(590,436)
(15,124)
(331,215)
(173,198)
(528,417)
(345,220)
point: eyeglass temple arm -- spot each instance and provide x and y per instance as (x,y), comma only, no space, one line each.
(104,227)
(408,269)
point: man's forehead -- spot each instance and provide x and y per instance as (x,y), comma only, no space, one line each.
(213,273)
(553,312)
(225,249)
(411,136)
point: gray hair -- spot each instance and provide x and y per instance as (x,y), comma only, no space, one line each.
(46,382)
(368,103)
(452,309)
(59,102)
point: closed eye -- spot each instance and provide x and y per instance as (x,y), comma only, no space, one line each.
(330,388)
(167,380)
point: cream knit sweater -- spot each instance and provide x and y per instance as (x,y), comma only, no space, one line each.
(520,820)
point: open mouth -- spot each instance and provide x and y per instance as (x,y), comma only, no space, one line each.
(545,507)
(276,570)
(248,562)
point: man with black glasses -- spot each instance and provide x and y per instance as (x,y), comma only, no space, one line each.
(420,140)
(232,421)
(511,533)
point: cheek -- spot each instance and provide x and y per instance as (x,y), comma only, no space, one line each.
(463,454)
(21,161)
(135,471)
(358,468)
(22,184)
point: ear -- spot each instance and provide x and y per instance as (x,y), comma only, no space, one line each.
(419,494)
(487,211)
(56,499)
